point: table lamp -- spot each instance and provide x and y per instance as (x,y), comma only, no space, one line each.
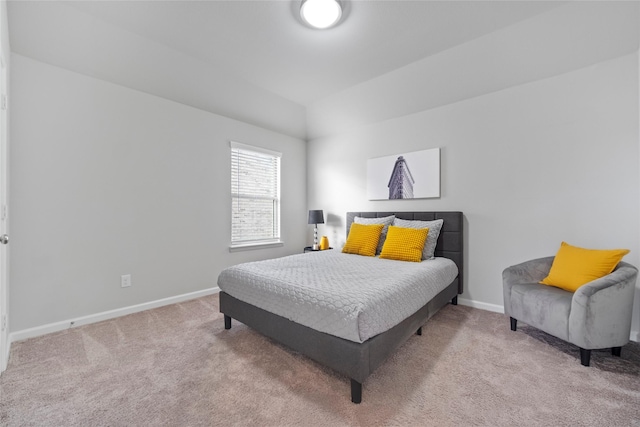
(315,217)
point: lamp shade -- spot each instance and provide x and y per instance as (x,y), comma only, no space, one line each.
(316,217)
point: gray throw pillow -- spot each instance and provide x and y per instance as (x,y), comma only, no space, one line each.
(432,237)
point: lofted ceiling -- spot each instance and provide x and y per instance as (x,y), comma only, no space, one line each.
(263,42)
(252,61)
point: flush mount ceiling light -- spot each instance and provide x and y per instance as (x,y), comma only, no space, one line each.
(321,13)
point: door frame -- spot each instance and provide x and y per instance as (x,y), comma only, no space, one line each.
(4,217)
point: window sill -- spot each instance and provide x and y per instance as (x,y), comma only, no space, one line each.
(252,246)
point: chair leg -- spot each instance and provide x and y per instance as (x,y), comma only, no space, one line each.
(514,324)
(585,356)
(615,351)
(356,391)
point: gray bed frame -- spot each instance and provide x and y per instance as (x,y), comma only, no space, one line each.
(358,360)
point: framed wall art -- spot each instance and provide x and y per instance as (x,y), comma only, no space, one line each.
(414,175)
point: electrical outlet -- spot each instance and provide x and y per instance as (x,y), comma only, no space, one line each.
(4,322)
(125,281)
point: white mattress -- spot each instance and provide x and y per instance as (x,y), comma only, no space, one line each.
(350,296)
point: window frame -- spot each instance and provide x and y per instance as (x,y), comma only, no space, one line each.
(256,243)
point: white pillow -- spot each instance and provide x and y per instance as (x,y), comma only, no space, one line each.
(386,221)
(432,238)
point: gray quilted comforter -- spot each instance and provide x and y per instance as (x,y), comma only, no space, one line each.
(350,296)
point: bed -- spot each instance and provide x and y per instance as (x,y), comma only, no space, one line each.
(355,354)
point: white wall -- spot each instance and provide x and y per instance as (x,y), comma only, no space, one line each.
(530,166)
(109,181)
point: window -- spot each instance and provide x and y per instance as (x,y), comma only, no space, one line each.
(255,196)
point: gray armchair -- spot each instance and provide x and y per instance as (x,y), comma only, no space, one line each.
(596,316)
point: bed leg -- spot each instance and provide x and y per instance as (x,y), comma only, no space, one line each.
(419,331)
(227,322)
(454,301)
(356,391)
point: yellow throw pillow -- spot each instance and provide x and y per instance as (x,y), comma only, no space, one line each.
(363,239)
(404,244)
(573,266)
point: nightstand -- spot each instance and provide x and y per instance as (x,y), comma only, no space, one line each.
(310,249)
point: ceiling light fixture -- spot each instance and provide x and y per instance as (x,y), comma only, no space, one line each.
(321,14)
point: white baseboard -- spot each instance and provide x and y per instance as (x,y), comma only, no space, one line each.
(635,336)
(481,305)
(105,315)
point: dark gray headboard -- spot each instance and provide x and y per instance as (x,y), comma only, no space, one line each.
(450,241)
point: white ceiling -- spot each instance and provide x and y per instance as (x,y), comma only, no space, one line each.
(260,44)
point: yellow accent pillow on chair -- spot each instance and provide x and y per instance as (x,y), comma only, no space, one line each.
(573,266)
(404,244)
(363,239)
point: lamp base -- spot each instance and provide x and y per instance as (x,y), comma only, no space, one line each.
(315,237)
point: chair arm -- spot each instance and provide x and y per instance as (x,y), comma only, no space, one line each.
(624,275)
(527,272)
(601,310)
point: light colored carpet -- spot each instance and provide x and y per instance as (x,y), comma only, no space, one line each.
(178,366)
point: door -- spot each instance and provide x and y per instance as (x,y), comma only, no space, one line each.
(4,220)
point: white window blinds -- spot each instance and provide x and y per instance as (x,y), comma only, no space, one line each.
(255,195)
